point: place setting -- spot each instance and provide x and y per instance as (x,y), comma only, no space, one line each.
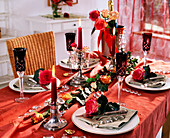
(145,78)
(29,83)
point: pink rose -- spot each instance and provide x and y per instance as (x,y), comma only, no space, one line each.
(45,77)
(114,15)
(138,74)
(93,15)
(100,24)
(91,107)
(105,13)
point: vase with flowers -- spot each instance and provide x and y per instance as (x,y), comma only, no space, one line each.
(56,6)
(105,21)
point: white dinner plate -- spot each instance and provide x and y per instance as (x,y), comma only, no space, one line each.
(165,87)
(103,131)
(11,85)
(96,61)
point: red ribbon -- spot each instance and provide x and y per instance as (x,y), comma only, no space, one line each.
(107,38)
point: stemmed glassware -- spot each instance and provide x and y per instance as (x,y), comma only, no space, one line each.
(112,52)
(121,64)
(146,45)
(19,55)
(70,38)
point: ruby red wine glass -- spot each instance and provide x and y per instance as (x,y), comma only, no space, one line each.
(19,55)
(146,45)
(70,38)
(121,64)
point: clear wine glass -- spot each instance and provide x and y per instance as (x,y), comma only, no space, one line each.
(121,64)
(70,38)
(146,45)
(19,55)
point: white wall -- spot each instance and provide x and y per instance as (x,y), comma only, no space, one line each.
(20,9)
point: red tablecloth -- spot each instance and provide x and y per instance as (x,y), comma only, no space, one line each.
(153,107)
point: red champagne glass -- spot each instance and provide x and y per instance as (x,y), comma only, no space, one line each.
(19,55)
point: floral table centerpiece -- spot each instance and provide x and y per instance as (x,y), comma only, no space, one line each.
(105,21)
(56,4)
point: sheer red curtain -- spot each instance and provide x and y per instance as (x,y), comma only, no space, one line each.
(146,15)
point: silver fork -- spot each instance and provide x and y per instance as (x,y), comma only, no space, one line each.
(110,120)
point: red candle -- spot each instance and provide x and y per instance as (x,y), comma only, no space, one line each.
(53,87)
(113,45)
(80,42)
(112,52)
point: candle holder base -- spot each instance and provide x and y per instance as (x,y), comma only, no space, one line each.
(78,81)
(112,63)
(54,124)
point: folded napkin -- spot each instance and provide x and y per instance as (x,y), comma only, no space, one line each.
(155,82)
(111,121)
(29,85)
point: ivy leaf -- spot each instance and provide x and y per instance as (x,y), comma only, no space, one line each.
(36,75)
(147,71)
(112,107)
(102,101)
(97,77)
(89,80)
(69,101)
(102,87)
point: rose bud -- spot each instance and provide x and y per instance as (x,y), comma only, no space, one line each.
(105,79)
(37,117)
(105,13)
(66,96)
(93,85)
(73,44)
(66,15)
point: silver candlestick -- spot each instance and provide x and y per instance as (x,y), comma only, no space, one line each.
(55,123)
(80,79)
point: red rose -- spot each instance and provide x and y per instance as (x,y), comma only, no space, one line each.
(91,107)
(56,1)
(73,44)
(138,74)
(93,15)
(45,77)
(66,15)
(100,24)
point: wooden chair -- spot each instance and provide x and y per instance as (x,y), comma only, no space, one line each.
(40,51)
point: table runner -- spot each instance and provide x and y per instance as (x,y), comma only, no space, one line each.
(152,109)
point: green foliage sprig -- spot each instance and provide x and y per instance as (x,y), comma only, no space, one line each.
(131,63)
